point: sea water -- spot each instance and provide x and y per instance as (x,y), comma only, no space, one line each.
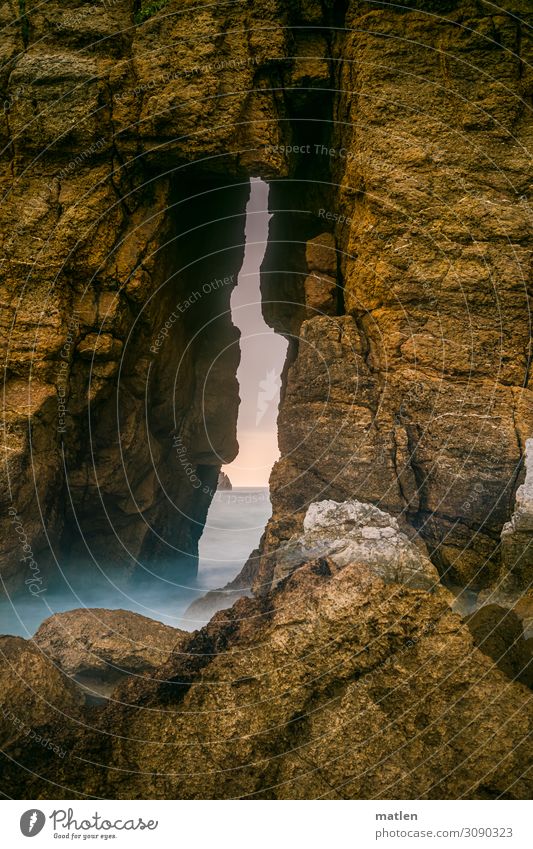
(234,525)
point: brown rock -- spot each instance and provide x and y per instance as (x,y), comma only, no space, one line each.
(106,644)
(36,696)
(99,346)
(430,403)
(338,686)
(320,295)
(320,254)
(126,152)
(431,232)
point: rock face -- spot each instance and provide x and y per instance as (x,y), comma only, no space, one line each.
(417,395)
(105,645)
(108,297)
(498,633)
(398,265)
(352,532)
(335,686)
(35,698)
(321,293)
(396,137)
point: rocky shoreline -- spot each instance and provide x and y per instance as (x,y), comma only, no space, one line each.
(378,642)
(350,677)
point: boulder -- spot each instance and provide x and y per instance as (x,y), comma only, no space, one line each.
(336,686)
(354,532)
(100,647)
(34,696)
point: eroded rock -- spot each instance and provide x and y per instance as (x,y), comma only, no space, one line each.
(336,686)
(498,633)
(94,644)
(353,532)
(36,697)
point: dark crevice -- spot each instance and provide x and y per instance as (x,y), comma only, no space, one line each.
(24,23)
(189,365)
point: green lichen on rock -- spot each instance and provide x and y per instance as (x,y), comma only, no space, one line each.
(147,10)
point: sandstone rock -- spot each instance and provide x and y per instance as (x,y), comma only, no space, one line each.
(101,264)
(99,346)
(420,419)
(423,404)
(353,532)
(498,633)
(321,256)
(106,645)
(35,696)
(123,146)
(320,295)
(506,595)
(337,686)
(321,284)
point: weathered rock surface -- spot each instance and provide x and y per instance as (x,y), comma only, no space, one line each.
(498,633)
(116,174)
(336,686)
(126,150)
(417,396)
(422,187)
(321,293)
(393,396)
(353,532)
(36,700)
(106,644)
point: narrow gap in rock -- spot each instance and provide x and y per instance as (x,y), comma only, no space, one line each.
(241,507)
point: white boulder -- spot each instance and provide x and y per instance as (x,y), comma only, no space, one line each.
(356,532)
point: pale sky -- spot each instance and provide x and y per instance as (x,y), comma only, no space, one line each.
(262,356)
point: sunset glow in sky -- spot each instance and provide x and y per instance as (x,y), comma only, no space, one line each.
(262,356)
